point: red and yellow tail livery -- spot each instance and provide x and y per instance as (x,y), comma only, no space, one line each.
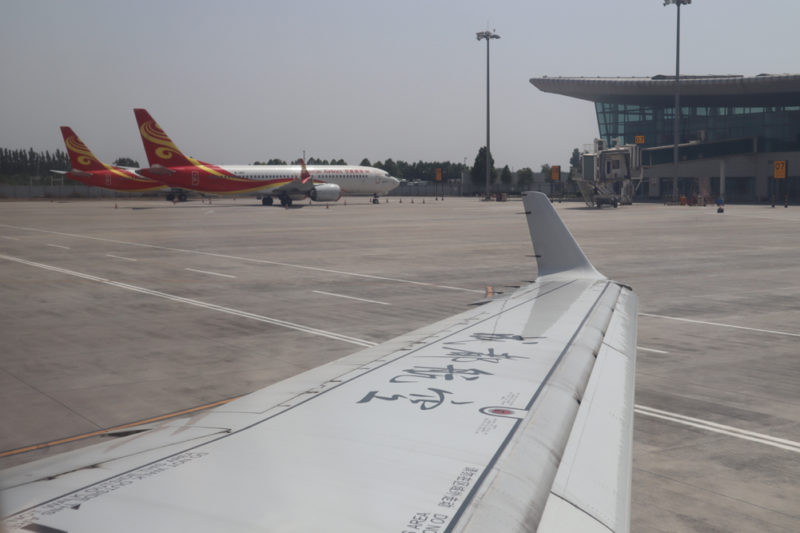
(88,169)
(162,151)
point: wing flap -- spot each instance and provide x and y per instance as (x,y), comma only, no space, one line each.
(524,478)
(595,472)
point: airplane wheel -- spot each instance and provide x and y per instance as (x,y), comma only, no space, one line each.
(181,197)
(289,202)
(267,200)
(284,201)
(170,197)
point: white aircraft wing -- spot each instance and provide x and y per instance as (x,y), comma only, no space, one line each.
(513,416)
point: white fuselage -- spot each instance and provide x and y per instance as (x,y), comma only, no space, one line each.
(351,179)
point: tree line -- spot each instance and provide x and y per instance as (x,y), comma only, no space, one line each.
(25,163)
(31,163)
(421,170)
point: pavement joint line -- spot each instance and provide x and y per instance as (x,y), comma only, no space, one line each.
(121,257)
(250,259)
(351,297)
(784,444)
(197,303)
(642,348)
(721,325)
(210,273)
(58,246)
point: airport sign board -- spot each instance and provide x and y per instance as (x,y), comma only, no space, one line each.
(779,170)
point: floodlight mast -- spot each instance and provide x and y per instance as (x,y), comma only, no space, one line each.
(488,35)
(677,112)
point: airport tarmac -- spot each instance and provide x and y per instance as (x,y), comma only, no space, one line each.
(117,312)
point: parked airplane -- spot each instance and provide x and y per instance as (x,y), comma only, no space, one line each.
(285,182)
(513,416)
(86,168)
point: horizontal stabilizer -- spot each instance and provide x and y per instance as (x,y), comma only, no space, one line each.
(159,169)
(557,252)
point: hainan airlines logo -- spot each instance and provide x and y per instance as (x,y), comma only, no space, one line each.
(153,133)
(83,156)
(165,148)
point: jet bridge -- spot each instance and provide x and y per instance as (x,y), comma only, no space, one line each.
(610,176)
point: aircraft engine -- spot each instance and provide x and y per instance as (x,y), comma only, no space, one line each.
(326,192)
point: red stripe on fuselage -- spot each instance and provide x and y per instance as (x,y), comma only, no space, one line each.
(196,179)
(109,180)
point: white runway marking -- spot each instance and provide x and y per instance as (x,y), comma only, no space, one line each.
(718,324)
(210,273)
(59,246)
(11,238)
(642,348)
(351,297)
(198,303)
(760,438)
(251,260)
(120,257)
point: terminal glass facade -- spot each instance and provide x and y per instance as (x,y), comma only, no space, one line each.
(776,128)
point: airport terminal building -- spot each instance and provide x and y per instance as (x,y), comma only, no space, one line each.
(732,128)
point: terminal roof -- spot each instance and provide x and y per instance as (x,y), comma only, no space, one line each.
(731,89)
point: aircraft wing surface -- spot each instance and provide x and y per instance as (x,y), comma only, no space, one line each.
(513,416)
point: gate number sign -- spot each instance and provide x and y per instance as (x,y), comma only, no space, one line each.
(779,170)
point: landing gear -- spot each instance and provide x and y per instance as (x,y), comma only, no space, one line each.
(286,201)
(375,199)
(176,196)
(267,200)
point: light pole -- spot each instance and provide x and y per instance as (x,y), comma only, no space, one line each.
(676,123)
(488,35)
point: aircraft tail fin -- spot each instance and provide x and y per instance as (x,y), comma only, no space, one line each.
(158,146)
(305,176)
(557,252)
(80,157)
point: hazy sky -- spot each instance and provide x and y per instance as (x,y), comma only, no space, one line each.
(239,81)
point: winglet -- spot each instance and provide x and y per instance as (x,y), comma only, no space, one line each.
(304,174)
(557,252)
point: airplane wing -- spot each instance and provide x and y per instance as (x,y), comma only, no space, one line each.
(301,185)
(513,416)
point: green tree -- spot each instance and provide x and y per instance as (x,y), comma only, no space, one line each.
(126,162)
(505,176)
(391,167)
(525,177)
(365,163)
(575,162)
(546,171)
(478,171)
